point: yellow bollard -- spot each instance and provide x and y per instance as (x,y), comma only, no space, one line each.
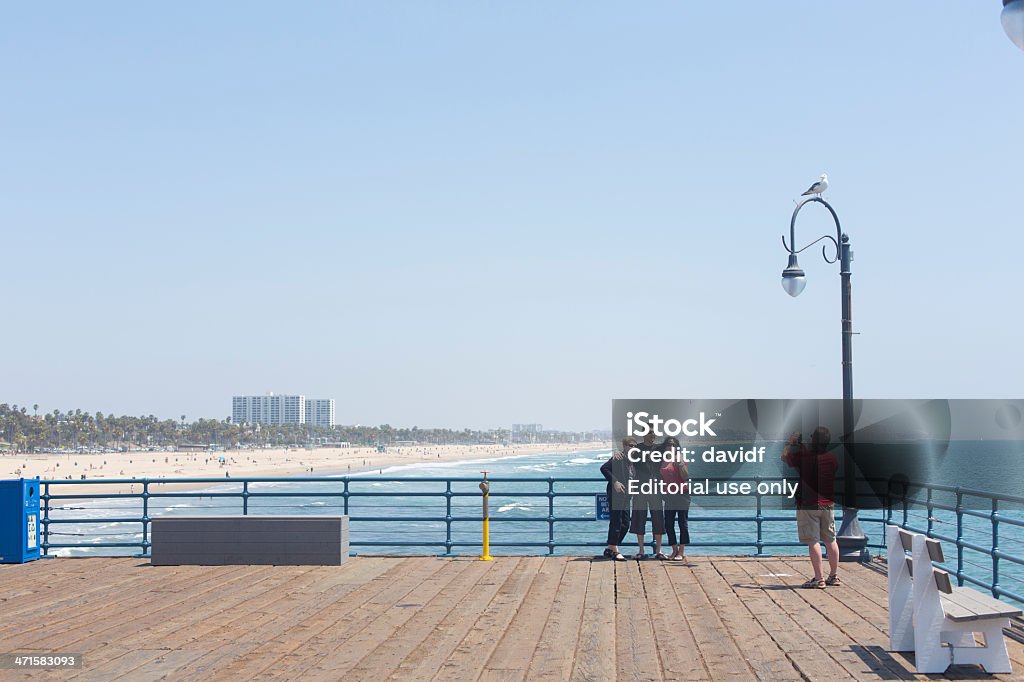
(485,488)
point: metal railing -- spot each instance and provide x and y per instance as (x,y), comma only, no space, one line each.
(555,504)
(991,508)
(349,490)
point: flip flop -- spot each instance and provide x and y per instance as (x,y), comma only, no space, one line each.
(660,556)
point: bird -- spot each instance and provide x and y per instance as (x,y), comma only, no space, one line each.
(817,188)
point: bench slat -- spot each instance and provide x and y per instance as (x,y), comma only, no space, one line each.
(935,550)
(907,540)
(955,611)
(982,603)
(966,604)
(942,581)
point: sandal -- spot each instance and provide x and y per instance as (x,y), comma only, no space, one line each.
(616,556)
(814,584)
(660,556)
(833,581)
(676,557)
(639,557)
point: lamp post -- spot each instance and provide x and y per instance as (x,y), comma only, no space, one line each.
(851,538)
(1013,21)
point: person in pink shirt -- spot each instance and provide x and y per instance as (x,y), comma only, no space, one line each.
(677,505)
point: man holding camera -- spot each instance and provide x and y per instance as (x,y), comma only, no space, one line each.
(815,498)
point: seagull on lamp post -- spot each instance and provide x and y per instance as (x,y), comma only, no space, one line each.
(817,188)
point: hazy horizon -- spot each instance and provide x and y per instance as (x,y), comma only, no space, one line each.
(459,215)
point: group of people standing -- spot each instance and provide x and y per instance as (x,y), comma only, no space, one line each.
(648,465)
(629,512)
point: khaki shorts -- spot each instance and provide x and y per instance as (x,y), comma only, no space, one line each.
(816,525)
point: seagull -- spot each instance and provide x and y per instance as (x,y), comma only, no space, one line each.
(817,188)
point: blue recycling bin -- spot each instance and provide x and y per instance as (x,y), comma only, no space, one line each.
(19,520)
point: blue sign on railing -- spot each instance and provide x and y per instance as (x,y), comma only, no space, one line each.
(602,509)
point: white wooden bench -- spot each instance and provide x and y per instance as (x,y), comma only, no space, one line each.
(935,620)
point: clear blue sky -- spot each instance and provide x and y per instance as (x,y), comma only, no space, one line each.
(471,214)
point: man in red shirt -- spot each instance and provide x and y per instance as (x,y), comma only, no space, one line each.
(815,499)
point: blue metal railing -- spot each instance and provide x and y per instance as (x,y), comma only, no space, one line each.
(454,521)
(989,508)
(347,490)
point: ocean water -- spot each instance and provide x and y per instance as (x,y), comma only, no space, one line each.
(396,510)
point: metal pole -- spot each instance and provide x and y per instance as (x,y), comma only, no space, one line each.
(485,488)
(45,498)
(145,516)
(448,518)
(995,548)
(851,538)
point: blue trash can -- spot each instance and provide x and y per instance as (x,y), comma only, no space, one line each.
(19,520)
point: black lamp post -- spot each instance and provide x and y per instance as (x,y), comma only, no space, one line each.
(851,538)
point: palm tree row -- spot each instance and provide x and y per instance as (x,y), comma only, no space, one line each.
(57,430)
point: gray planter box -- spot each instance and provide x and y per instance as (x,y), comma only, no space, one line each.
(234,540)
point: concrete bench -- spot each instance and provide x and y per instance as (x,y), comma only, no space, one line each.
(233,540)
(935,620)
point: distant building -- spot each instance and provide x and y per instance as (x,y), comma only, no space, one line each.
(526,433)
(269,409)
(320,411)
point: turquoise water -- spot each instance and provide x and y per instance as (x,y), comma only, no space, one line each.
(519,512)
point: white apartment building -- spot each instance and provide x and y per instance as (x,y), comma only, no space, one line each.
(282,409)
(268,409)
(320,411)
(526,433)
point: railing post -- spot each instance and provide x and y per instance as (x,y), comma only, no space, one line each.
(551,515)
(145,516)
(344,496)
(759,520)
(448,518)
(959,537)
(995,548)
(886,514)
(931,512)
(45,499)
(906,507)
(245,498)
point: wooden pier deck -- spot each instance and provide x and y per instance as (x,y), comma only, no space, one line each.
(516,618)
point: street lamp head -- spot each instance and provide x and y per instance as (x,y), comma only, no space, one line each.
(1013,21)
(793,280)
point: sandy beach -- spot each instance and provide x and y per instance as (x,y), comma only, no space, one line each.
(244,463)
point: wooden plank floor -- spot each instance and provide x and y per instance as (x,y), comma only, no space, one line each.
(420,618)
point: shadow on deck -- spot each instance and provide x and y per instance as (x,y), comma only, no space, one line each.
(422,617)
